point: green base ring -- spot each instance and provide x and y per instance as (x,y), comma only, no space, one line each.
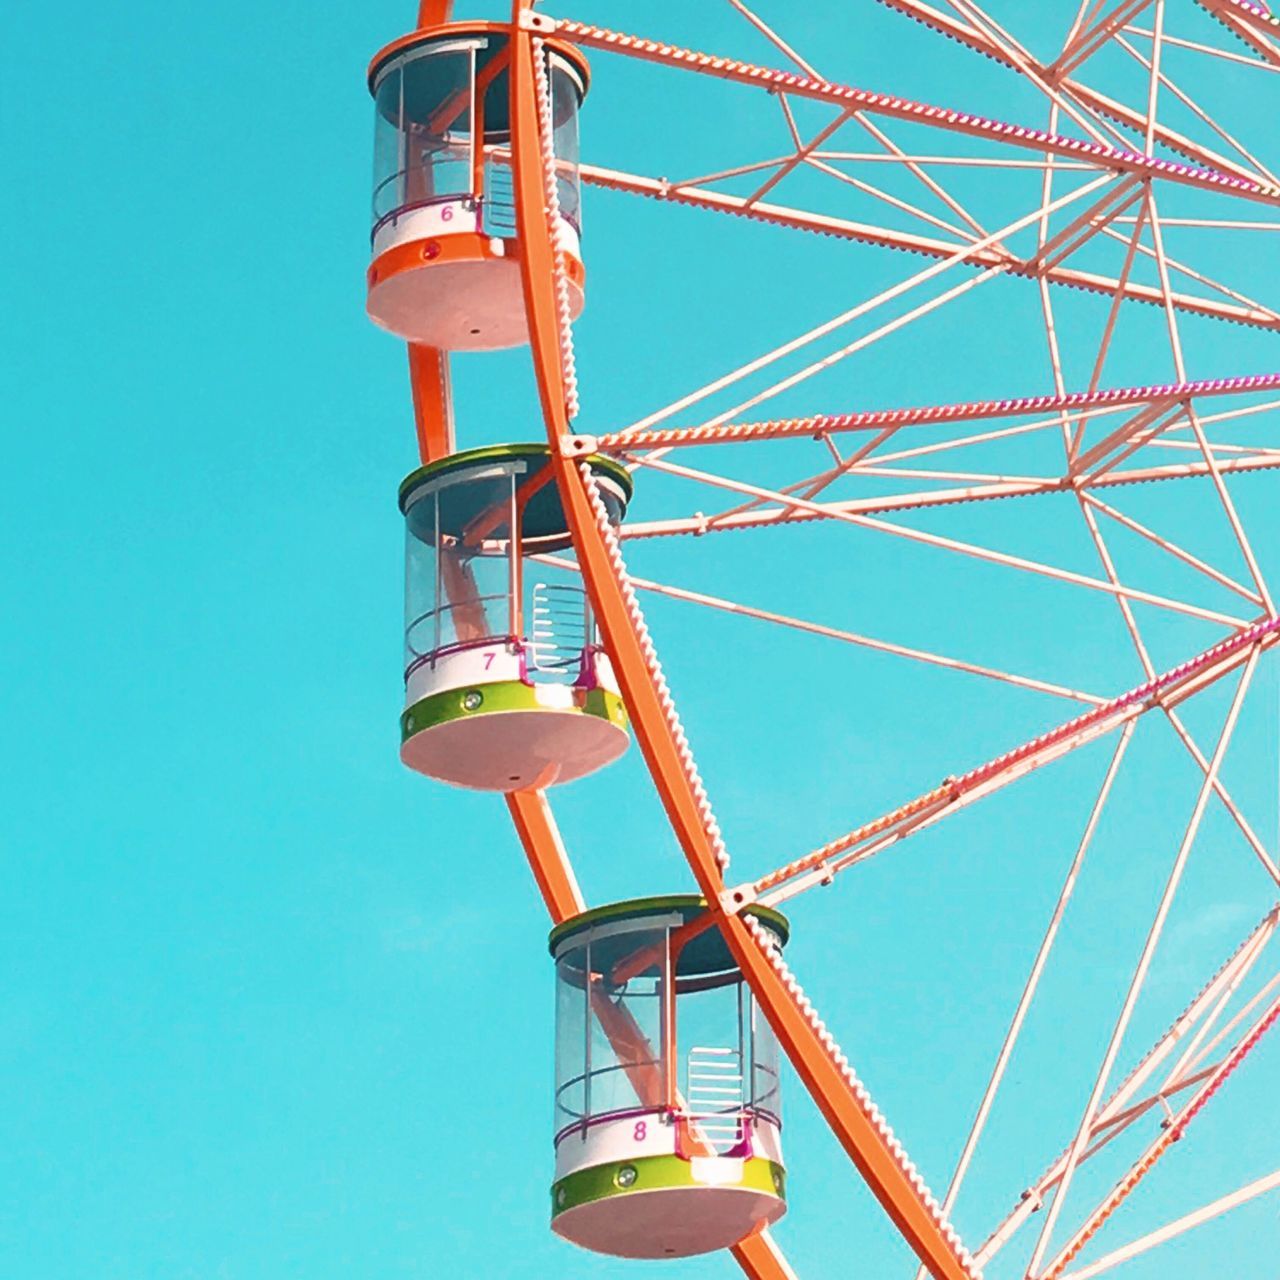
(658,1173)
(500,697)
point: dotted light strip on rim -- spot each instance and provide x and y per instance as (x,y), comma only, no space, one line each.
(636,616)
(556,227)
(907,109)
(971,411)
(1245,11)
(747,520)
(954,788)
(768,945)
(1176,1030)
(1162,1145)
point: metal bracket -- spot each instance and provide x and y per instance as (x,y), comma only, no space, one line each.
(732,901)
(540,23)
(578,446)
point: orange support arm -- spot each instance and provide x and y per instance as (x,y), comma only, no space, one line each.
(432,403)
(548,861)
(431,13)
(852,1125)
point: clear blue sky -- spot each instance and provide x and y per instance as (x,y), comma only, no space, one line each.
(272,1007)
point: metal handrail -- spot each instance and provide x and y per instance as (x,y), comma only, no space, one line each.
(440,611)
(587,1076)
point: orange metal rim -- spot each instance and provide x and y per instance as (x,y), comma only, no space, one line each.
(458,246)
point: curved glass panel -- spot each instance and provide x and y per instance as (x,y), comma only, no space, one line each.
(427,120)
(456,594)
(766,1094)
(422,130)
(565,99)
(609,1051)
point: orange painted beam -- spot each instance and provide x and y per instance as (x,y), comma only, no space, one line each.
(432,403)
(540,839)
(861,1137)
(761,1259)
(431,13)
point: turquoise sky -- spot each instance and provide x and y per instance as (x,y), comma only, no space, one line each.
(274,1008)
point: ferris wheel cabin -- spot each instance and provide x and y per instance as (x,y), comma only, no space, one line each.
(506,685)
(667,1105)
(445,270)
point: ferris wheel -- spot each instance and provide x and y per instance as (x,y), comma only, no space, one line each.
(1034,411)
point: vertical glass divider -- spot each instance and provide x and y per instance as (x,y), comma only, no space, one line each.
(439,602)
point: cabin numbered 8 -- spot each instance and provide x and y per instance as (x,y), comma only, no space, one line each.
(668,1129)
(506,684)
(445,271)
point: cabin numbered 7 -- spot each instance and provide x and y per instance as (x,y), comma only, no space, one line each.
(506,684)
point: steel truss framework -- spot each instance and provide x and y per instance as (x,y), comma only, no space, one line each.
(1108,171)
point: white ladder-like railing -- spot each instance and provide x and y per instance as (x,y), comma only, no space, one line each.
(558,630)
(715,1101)
(499,200)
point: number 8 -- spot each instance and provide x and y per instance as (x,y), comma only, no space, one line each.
(640,1131)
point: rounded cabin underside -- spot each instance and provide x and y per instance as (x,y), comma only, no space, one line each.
(466,303)
(515,737)
(667,1212)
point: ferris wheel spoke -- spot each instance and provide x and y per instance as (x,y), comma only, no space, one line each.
(1060,91)
(1166,544)
(1170,688)
(774,38)
(1094,33)
(1176,1228)
(895,152)
(844,318)
(1112,158)
(1160,1147)
(1225,55)
(1033,979)
(1198,276)
(693,195)
(849,637)
(1126,1105)
(1077,404)
(788,512)
(841,513)
(1088,505)
(1139,976)
(1211,463)
(1150,63)
(1102,108)
(1131,625)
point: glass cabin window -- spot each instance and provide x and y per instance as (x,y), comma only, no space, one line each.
(617,1064)
(422,134)
(571,1039)
(458,593)
(428,115)
(766,1094)
(566,96)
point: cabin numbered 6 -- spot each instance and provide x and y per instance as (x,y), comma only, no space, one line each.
(445,271)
